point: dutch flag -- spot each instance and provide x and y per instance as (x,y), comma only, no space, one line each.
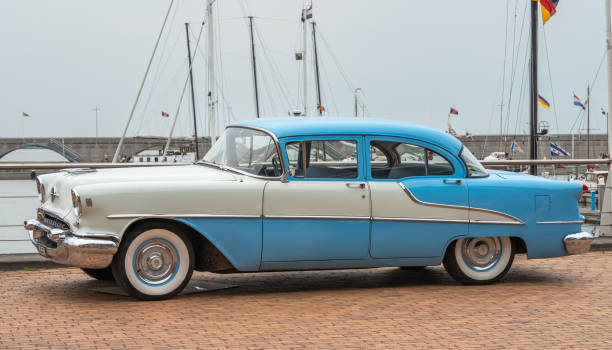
(577,102)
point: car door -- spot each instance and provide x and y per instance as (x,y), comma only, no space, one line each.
(419,198)
(323,211)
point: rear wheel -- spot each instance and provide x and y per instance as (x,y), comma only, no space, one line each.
(479,260)
(100,274)
(154,262)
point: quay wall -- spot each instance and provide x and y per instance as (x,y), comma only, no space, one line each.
(90,149)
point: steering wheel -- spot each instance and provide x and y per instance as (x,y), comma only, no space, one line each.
(276,166)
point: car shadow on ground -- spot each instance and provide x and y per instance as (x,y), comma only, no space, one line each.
(325,280)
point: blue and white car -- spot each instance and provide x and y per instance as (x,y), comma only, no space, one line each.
(302,194)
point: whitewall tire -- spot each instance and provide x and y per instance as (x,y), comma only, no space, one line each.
(154,262)
(479,260)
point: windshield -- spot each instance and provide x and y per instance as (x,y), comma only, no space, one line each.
(246,150)
(474,168)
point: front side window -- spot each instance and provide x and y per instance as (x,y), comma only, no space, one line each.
(326,159)
(247,150)
(397,160)
(473,166)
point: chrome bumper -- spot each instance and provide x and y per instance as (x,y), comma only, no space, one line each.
(578,243)
(63,247)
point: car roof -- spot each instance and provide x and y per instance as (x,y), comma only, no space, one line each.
(303,126)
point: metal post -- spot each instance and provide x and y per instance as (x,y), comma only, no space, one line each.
(533,102)
(254,67)
(605,228)
(588,105)
(316,62)
(304,61)
(97,109)
(212,127)
(193,107)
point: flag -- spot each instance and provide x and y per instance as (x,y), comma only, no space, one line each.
(451,131)
(468,135)
(320,108)
(556,150)
(453,111)
(577,102)
(549,8)
(165,115)
(24,114)
(603,112)
(542,102)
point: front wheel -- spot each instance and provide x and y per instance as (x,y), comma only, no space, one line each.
(479,260)
(154,262)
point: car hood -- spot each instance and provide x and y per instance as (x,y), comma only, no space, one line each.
(63,182)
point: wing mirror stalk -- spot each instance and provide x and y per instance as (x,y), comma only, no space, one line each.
(286,173)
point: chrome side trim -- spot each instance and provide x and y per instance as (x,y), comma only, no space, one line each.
(515,221)
(560,222)
(317,217)
(457,221)
(174,216)
(495,222)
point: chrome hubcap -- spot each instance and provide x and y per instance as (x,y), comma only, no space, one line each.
(155,261)
(481,253)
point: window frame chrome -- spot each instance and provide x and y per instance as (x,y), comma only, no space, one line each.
(242,172)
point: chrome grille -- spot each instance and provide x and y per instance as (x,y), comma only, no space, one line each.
(54,222)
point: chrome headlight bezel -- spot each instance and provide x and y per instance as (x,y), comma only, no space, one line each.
(40,187)
(77,205)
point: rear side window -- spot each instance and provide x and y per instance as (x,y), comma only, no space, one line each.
(323,159)
(396,160)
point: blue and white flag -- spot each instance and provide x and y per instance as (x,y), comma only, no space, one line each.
(556,150)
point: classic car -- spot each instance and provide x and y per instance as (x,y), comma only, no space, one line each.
(305,193)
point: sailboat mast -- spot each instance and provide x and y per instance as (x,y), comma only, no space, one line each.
(144,79)
(254,67)
(588,106)
(609,54)
(533,101)
(193,108)
(304,59)
(316,62)
(211,74)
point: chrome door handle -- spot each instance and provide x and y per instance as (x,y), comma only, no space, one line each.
(452,181)
(355,185)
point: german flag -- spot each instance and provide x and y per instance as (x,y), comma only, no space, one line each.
(542,102)
(549,8)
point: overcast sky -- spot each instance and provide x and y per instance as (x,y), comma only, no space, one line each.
(413,60)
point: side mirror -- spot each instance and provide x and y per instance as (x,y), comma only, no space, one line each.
(288,172)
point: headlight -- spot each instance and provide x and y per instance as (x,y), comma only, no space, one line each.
(40,187)
(76,203)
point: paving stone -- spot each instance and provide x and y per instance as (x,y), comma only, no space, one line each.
(551,303)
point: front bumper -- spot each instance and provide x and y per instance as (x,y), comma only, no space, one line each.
(578,243)
(64,247)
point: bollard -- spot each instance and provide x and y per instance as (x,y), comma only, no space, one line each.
(593,200)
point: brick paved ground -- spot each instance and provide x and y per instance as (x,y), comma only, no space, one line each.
(556,303)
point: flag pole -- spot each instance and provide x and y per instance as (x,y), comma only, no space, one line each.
(533,102)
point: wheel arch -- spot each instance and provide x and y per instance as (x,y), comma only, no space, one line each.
(520,247)
(208,257)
